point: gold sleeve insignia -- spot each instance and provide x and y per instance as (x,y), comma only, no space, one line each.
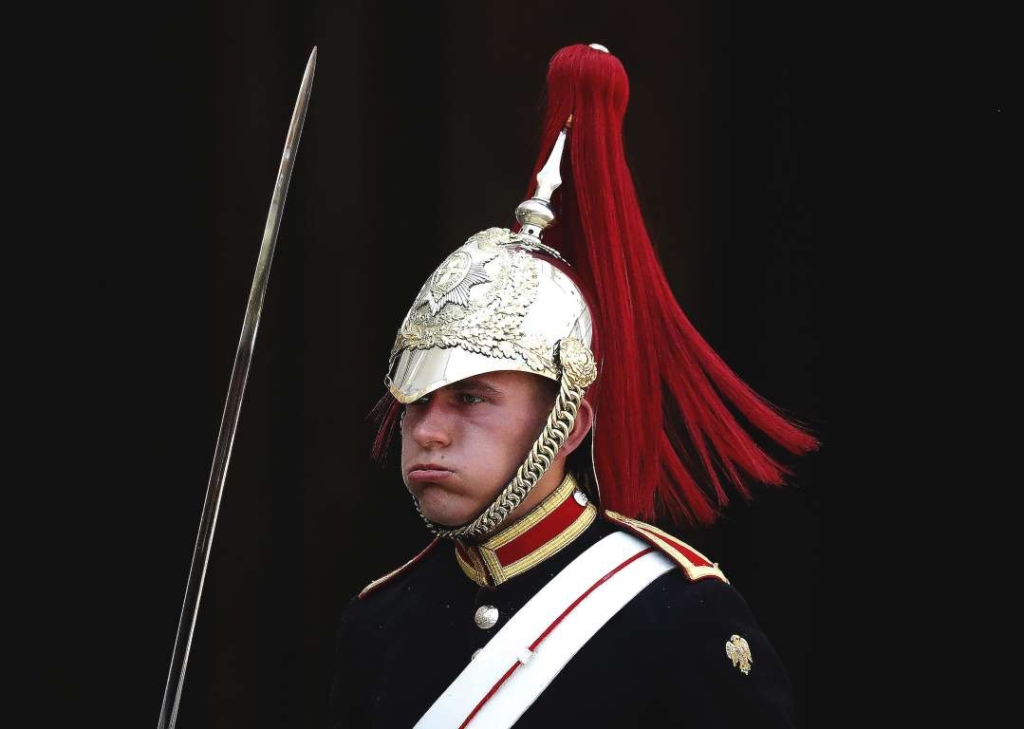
(738,651)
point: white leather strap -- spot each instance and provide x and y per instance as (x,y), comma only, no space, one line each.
(509,649)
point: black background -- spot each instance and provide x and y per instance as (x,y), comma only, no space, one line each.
(769,147)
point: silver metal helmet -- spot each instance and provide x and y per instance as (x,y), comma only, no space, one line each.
(490,306)
(494,305)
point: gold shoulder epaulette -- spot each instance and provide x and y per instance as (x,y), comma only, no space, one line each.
(695,565)
(380,581)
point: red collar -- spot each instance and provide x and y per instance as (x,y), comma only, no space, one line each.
(546,529)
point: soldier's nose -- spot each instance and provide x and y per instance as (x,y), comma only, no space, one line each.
(430,428)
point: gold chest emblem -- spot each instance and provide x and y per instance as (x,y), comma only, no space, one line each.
(738,651)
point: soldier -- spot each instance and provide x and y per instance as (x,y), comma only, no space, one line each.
(550,393)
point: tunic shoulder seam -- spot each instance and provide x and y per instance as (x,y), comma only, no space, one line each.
(694,564)
(381,581)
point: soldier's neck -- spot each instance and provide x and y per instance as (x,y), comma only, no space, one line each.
(544,530)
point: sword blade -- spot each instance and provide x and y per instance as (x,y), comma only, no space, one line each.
(232,408)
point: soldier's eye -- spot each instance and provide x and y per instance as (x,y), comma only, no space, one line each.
(471,399)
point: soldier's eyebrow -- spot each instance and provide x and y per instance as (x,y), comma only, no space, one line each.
(478,387)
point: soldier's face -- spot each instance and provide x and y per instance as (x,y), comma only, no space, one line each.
(462,443)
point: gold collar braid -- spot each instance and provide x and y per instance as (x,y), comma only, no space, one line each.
(490,564)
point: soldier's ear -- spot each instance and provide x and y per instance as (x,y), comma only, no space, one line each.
(580,428)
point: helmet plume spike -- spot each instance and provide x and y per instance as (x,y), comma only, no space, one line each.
(536,214)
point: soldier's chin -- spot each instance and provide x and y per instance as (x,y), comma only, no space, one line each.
(444,508)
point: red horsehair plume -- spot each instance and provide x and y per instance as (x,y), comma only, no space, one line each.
(667,439)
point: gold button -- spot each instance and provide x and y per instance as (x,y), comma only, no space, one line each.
(486,617)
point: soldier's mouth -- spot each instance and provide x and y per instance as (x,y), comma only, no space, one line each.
(429,473)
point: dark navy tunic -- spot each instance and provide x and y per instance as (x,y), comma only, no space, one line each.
(660,661)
